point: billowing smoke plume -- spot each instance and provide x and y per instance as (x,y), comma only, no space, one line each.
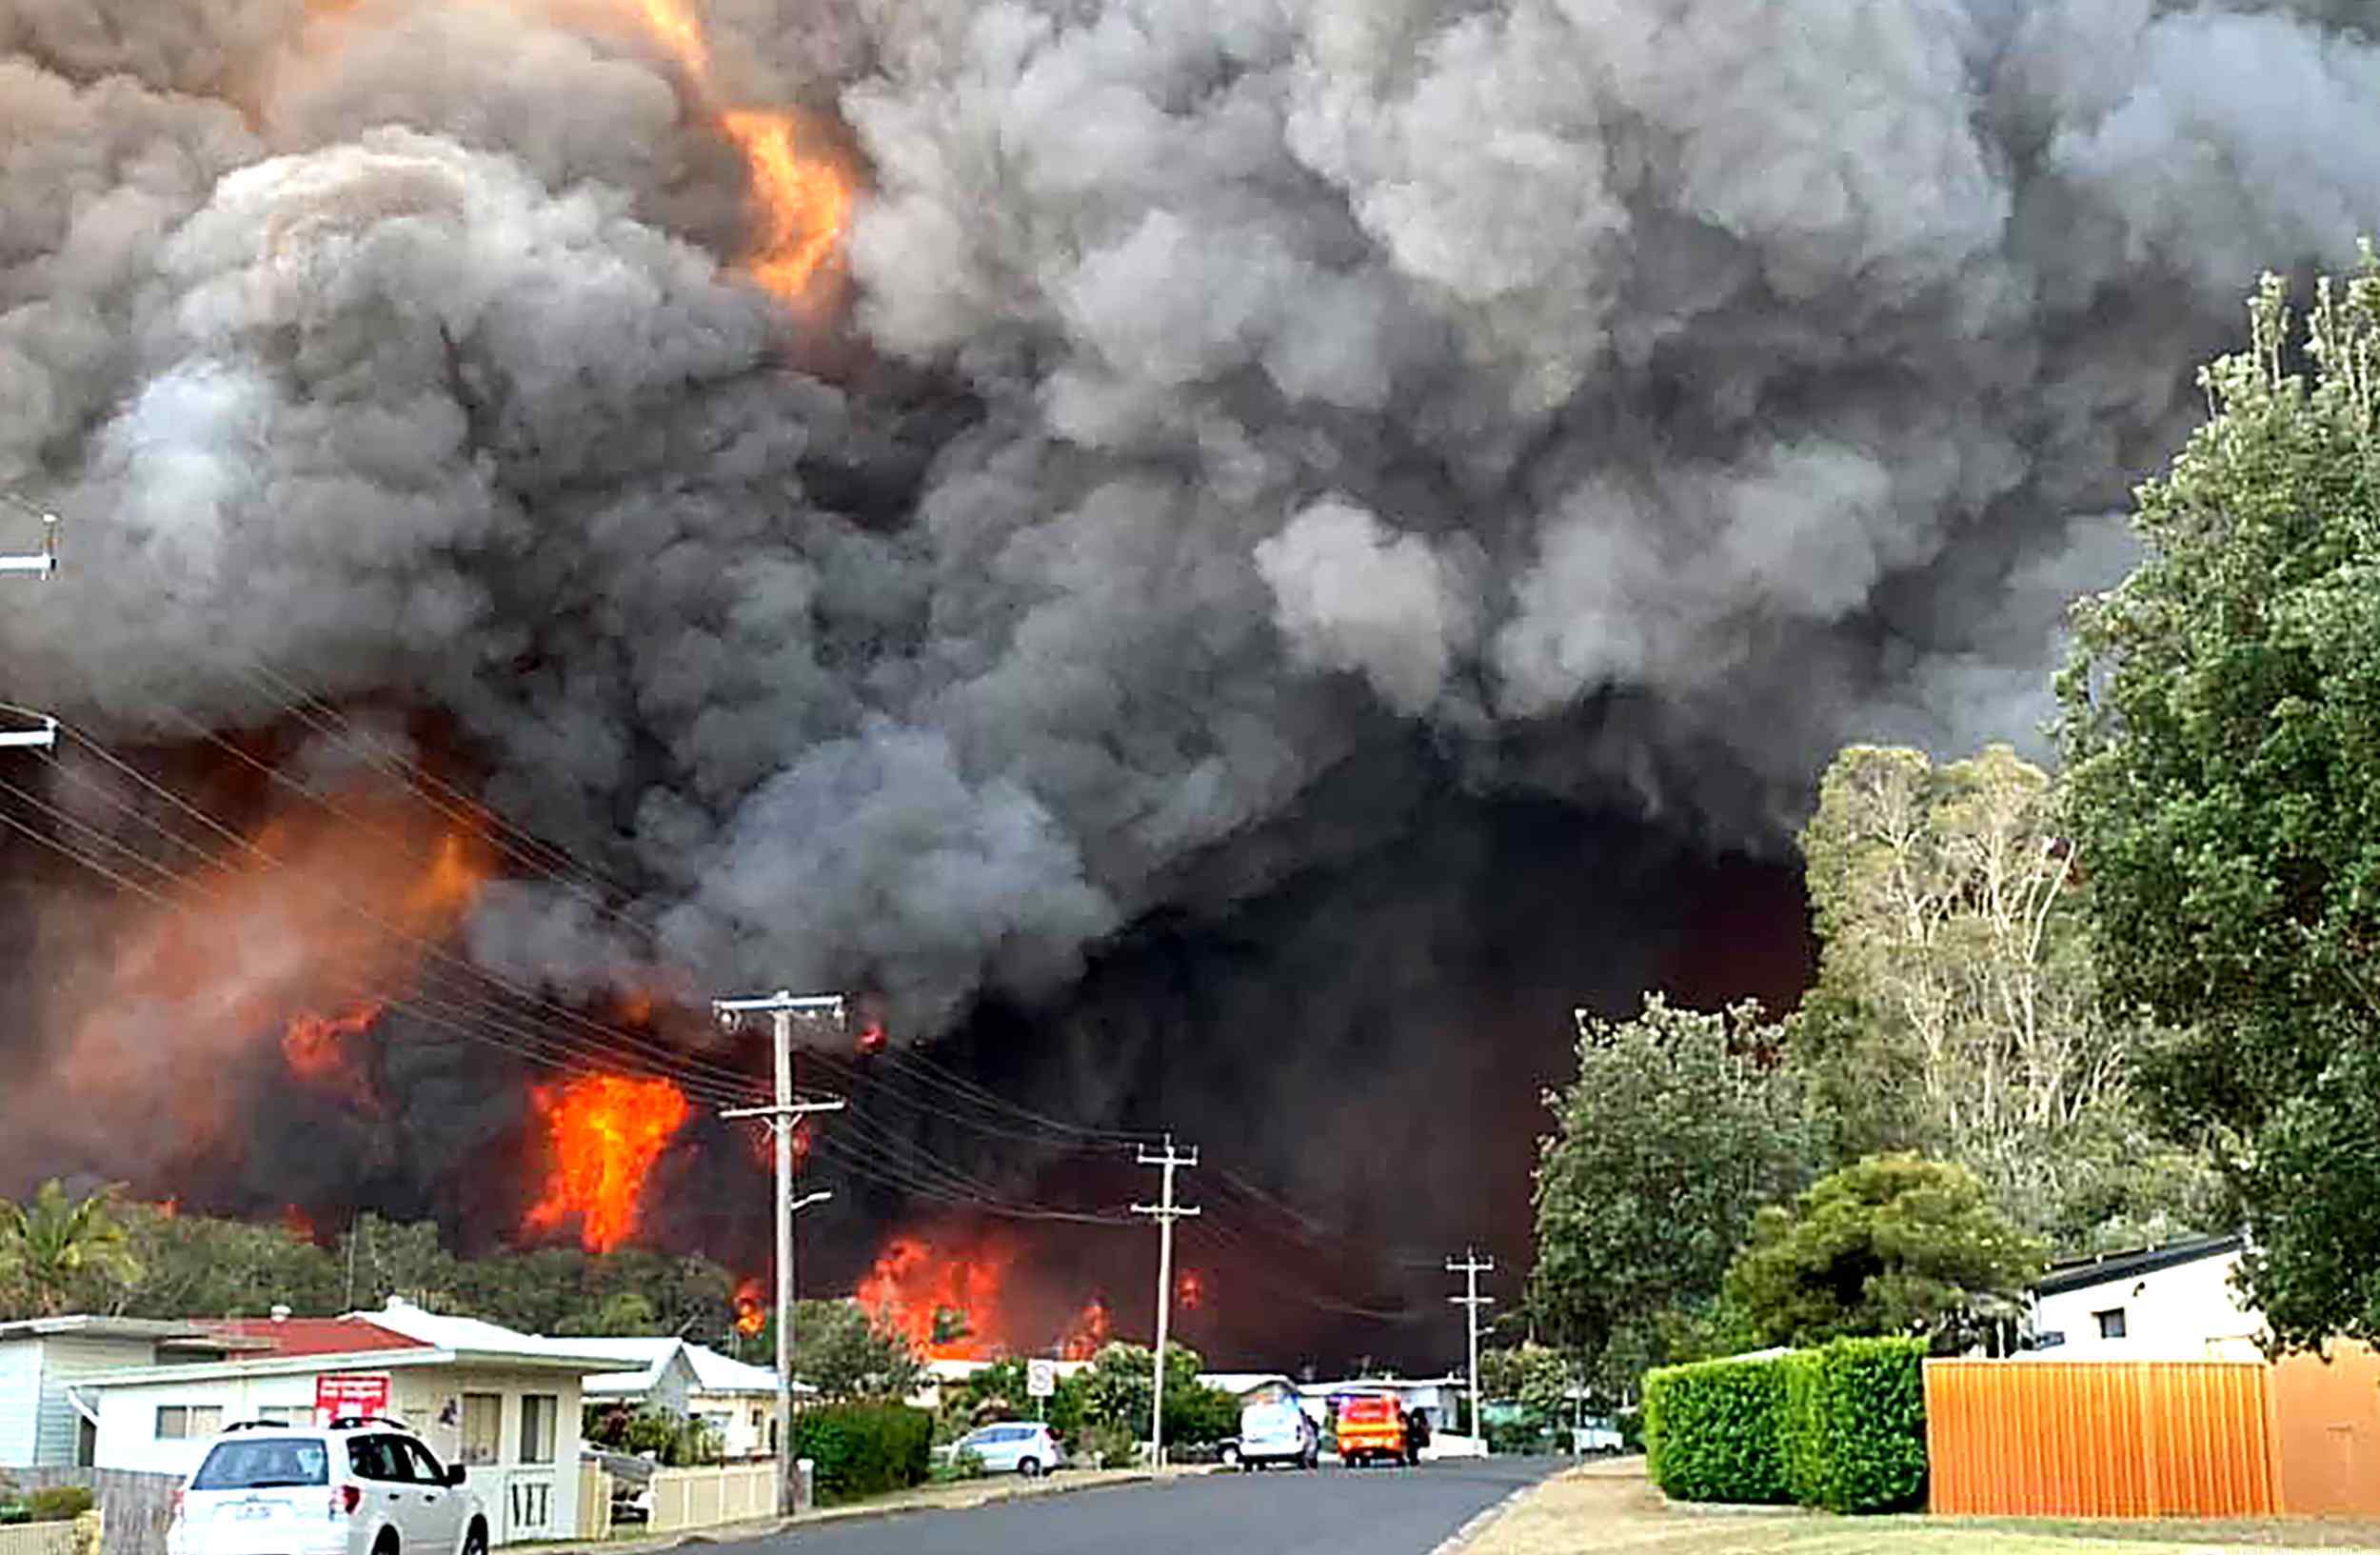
(1628,400)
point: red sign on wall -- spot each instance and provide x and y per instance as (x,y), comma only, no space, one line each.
(338,1396)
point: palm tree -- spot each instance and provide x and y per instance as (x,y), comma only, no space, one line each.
(52,1244)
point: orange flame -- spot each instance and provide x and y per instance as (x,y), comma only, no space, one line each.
(315,1045)
(751,1317)
(1190,1290)
(922,1293)
(298,1222)
(315,912)
(606,1132)
(1088,1335)
(804,202)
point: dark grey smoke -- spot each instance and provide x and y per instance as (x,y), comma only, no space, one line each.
(1630,400)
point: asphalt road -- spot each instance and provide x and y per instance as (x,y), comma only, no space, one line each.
(1332,1512)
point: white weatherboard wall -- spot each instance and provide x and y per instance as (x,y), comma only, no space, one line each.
(20,1400)
(68,1359)
(2187,1312)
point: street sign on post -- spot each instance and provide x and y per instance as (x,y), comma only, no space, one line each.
(1040,1379)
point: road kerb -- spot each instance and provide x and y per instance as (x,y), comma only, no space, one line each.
(1462,1538)
(732,1533)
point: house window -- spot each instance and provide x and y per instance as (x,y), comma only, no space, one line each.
(538,1413)
(187,1422)
(482,1428)
(2110,1322)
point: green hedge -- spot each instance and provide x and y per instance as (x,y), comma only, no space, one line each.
(1842,1428)
(1866,1417)
(1713,1431)
(865,1450)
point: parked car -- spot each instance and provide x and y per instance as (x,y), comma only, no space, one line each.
(360,1487)
(1021,1447)
(1372,1430)
(1275,1431)
(631,1479)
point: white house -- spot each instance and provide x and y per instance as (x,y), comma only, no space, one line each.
(43,1358)
(504,1405)
(735,1401)
(2172,1302)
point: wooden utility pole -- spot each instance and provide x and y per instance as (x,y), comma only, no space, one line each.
(1165,1212)
(784,1115)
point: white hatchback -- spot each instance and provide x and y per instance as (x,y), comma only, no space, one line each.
(355,1487)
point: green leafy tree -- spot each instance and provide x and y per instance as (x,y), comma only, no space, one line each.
(1117,1385)
(849,1352)
(199,1266)
(1891,1244)
(2222,744)
(55,1246)
(1536,1377)
(1678,1126)
(1957,1008)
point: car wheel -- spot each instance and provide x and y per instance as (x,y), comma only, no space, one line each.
(475,1542)
(1029,1468)
(1229,1458)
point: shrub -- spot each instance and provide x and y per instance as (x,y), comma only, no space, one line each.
(965,1464)
(1803,1425)
(1713,1431)
(59,1503)
(864,1448)
(1861,1425)
(1108,1446)
(12,1512)
(1842,1428)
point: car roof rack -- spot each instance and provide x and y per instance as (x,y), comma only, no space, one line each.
(357,1422)
(256,1425)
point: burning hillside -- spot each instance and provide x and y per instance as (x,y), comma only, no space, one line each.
(1236,563)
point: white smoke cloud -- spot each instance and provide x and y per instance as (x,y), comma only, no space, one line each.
(1351,594)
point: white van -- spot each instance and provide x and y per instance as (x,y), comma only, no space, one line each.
(1273,1430)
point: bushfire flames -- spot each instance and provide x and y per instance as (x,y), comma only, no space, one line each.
(751,1317)
(314,1046)
(804,202)
(948,1304)
(606,1133)
(314,911)
(1190,1290)
(1088,1335)
(952,1295)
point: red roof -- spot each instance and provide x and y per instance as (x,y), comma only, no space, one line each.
(312,1336)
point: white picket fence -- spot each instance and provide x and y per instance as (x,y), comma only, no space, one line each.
(702,1497)
(39,1539)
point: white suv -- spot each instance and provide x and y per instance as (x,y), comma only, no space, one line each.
(357,1487)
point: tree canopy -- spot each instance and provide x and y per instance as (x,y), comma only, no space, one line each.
(2221,730)
(54,1246)
(1888,1244)
(1956,1009)
(1679,1126)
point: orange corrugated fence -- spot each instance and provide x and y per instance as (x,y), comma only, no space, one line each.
(2329,1412)
(2102,1438)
